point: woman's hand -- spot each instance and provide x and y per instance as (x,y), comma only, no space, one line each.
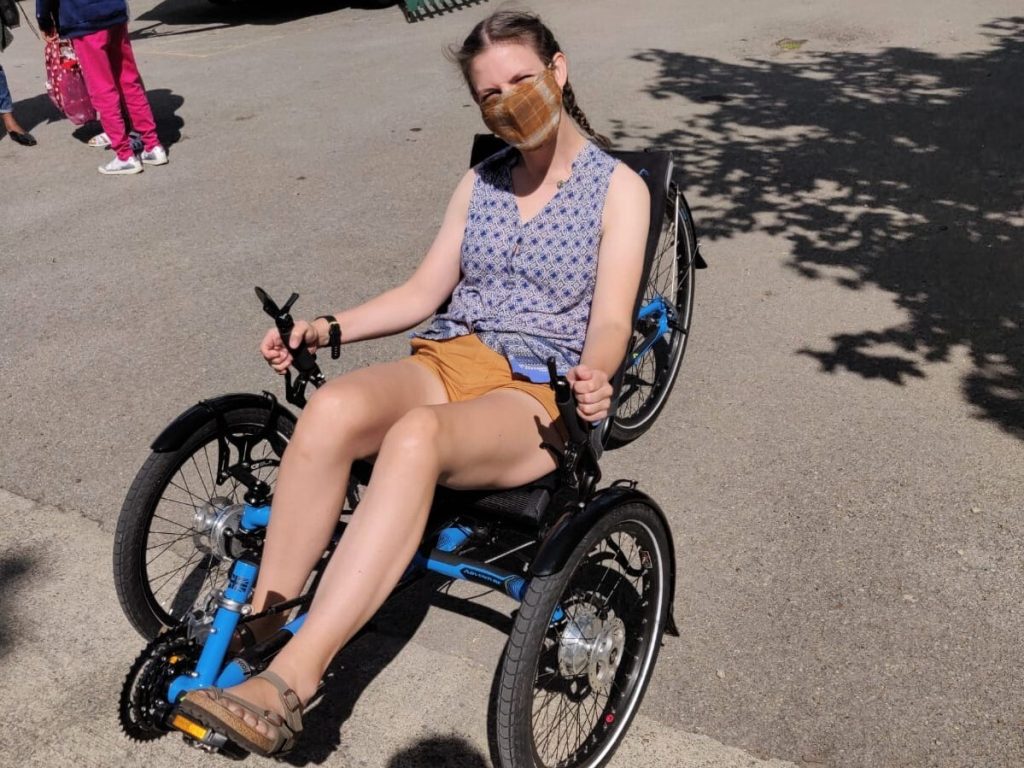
(278,355)
(593,392)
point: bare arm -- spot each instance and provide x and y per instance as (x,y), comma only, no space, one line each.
(400,308)
(418,297)
(619,267)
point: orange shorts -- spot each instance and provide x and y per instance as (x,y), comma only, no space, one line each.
(468,368)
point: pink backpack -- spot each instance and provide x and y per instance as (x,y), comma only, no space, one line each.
(65,83)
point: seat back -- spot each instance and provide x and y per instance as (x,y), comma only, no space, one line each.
(655,168)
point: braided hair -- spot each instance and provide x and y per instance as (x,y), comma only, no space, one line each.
(525,29)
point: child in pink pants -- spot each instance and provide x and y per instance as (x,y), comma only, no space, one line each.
(98,29)
(112,78)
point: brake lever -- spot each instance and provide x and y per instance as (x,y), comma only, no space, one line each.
(288,304)
(268,303)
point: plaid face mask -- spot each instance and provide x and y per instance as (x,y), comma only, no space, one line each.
(527,114)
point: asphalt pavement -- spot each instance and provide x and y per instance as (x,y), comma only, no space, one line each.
(841,459)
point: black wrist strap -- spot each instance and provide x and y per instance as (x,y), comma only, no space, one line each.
(333,335)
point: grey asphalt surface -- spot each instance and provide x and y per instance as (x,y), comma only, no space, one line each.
(841,459)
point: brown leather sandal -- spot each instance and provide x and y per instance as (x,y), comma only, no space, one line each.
(209,708)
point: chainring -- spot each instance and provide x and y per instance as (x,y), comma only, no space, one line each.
(143,706)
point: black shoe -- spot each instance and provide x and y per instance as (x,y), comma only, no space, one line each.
(25,139)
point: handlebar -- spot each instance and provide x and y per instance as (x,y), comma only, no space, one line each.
(303,360)
(565,399)
(580,470)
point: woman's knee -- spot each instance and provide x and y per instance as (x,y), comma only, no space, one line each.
(337,414)
(416,435)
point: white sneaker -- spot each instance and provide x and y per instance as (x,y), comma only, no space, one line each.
(156,156)
(118,167)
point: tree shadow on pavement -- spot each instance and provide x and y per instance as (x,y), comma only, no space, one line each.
(13,569)
(901,170)
(221,15)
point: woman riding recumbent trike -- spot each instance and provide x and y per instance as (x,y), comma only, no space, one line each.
(596,579)
(556,259)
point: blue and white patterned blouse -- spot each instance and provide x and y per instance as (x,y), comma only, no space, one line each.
(526,287)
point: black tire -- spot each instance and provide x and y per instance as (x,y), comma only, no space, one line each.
(649,380)
(594,663)
(158,589)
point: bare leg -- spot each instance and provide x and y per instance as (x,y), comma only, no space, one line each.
(11,124)
(344,420)
(494,441)
(7,106)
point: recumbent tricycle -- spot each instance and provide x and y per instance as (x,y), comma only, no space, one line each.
(592,568)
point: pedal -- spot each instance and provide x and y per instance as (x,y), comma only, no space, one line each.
(200,737)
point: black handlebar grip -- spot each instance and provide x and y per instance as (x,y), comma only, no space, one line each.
(302,359)
(565,399)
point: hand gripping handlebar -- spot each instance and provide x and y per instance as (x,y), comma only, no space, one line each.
(583,449)
(303,360)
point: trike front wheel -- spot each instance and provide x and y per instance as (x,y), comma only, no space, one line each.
(168,547)
(583,646)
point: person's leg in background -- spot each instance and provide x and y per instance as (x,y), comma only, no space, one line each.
(133,92)
(96,57)
(16,132)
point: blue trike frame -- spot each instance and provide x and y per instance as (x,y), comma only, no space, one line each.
(233,601)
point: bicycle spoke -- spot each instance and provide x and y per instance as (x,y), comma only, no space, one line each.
(172,522)
(169,574)
(176,534)
(199,474)
(210,580)
(166,546)
(187,492)
(158,555)
(209,466)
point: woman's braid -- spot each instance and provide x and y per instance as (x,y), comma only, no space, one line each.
(569,102)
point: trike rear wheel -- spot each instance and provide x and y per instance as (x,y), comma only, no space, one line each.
(663,327)
(166,558)
(583,646)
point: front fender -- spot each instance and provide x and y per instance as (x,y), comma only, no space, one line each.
(187,423)
(567,532)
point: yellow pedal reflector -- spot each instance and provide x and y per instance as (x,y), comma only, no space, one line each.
(192,728)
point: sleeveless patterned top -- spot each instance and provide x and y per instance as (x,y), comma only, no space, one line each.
(526,287)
